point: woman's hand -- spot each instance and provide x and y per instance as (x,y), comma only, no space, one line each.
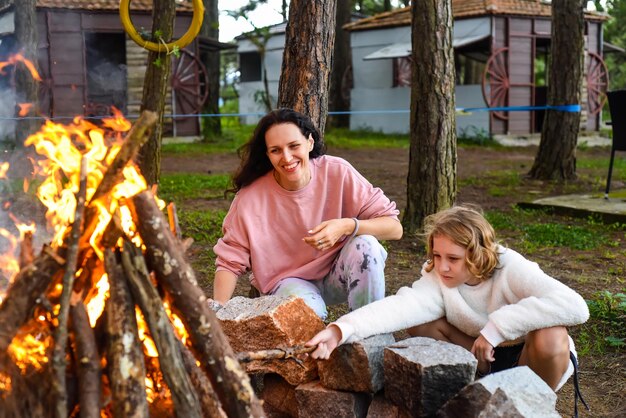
(325,235)
(326,341)
(484,353)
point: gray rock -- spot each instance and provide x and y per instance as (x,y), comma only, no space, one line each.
(356,367)
(421,374)
(516,392)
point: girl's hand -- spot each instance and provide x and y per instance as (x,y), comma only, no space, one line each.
(326,341)
(484,353)
(325,235)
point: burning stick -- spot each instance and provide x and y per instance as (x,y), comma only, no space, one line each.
(60,334)
(127,373)
(88,360)
(208,400)
(18,305)
(184,396)
(165,257)
(275,353)
(136,137)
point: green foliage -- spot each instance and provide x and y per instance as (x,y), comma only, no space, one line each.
(475,136)
(606,328)
(615,33)
(345,138)
(173,187)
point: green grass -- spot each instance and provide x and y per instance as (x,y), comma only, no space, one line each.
(344,138)
(605,330)
(536,230)
(180,186)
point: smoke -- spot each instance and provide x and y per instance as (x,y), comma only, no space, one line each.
(7,113)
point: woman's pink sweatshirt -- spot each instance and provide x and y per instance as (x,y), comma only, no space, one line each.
(265,225)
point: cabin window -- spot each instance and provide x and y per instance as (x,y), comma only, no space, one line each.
(250,66)
(106,72)
(402,72)
(468,70)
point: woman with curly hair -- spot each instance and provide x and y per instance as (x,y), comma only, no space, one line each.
(302,222)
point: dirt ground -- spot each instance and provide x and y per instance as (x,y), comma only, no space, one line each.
(602,378)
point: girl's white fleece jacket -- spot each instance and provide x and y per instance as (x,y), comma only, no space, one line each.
(517,299)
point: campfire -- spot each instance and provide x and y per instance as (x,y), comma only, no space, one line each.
(106,319)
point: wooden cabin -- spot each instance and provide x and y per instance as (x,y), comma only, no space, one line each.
(501,57)
(500,47)
(88,62)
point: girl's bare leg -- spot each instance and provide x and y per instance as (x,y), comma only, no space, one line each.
(442,330)
(546,352)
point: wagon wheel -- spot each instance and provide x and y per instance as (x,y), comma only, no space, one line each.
(190,84)
(403,68)
(495,84)
(597,83)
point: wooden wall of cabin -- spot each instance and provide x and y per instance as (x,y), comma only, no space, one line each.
(520,35)
(63,56)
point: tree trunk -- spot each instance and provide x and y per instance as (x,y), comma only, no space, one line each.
(307,60)
(211,126)
(339,99)
(25,85)
(431,183)
(556,157)
(155,88)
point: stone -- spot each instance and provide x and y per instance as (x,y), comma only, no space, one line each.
(279,397)
(315,401)
(356,367)
(515,392)
(382,407)
(421,374)
(270,322)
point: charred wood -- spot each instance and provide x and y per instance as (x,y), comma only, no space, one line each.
(27,254)
(184,396)
(88,362)
(125,360)
(22,295)
(165,256)
(60,334)
(208,399)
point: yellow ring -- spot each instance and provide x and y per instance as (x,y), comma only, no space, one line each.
(183,41)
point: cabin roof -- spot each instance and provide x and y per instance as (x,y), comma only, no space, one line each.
(466,9)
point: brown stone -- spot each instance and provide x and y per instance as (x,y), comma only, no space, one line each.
(356,367)
(382,407)
(270,322)
(315,401)
(279,396)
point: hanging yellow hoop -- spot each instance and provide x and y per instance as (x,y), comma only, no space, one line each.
(183,41)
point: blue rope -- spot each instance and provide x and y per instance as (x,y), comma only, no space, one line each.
(560,108)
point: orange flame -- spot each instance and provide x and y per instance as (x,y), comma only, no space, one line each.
(14,59)
(24,108)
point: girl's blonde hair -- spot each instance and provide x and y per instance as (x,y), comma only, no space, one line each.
(468,228)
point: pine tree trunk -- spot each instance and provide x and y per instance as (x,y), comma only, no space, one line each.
(155,88)
(339,99)
(308,59)
(211,126)
(431,184)
(556,157)
(25,85)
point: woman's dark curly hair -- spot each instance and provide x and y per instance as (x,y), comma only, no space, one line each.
(254,160)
